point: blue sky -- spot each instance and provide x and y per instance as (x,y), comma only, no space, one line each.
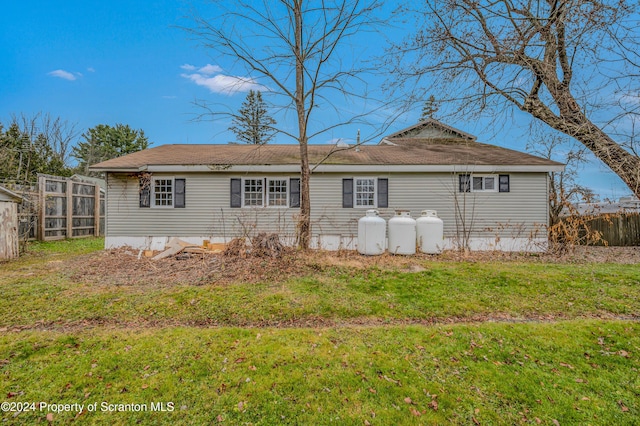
(123,61)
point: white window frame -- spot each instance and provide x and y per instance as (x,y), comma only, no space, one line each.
(244,199)
(496,182)
(266,194)
(355,192)
(153,203)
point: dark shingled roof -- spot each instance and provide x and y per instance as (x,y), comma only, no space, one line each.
(411,152)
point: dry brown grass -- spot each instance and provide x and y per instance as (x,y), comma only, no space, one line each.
(125,267)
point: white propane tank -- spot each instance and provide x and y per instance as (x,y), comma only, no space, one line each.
(402,233)
(430,231)
(372,230)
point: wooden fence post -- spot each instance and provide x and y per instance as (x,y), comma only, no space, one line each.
(69,233)
(42,208)
(96,211)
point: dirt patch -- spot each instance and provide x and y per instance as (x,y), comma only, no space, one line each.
(305,322)
(126,267)
(581,254)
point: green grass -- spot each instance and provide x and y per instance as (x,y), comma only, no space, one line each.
(331,347)
(66,247)
(45,293)
(574,372)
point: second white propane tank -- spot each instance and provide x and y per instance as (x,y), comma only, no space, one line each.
(402,233)
(430,232)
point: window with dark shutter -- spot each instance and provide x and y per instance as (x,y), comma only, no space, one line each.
(236,193)
(294,192)
(464,183)
(145,193)
(347,193)
(383,193)
(180,193)
(503,183)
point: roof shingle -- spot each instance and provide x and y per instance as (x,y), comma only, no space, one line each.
(410,153)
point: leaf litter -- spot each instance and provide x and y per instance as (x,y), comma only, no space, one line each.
(272,262)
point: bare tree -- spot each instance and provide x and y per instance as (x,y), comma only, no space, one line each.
(60,134)
(35,144)
(564,190)
(299,52)
(573,64)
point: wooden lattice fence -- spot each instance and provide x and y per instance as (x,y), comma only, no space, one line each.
(68,209)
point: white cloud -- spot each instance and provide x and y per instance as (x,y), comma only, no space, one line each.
(210,69)
(63,74)
(224,84)
(188,67)
(91,69)
(169,97)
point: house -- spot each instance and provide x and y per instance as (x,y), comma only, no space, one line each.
(629,204)
(488,197)
(9,247)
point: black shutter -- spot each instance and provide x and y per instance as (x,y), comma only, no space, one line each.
(464,183)
(179,193)
(347,193)
(503,183)
(383,193)
(145,192)
(236,193)
(294,192)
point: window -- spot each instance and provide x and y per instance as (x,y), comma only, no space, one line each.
(253,193)
(277,193)
(265,192)
(483,183)
(503,183)
(162,192)
(365,192)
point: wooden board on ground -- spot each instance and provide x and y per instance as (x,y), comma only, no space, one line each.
(176,245)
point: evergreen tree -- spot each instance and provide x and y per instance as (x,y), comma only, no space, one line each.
(104,142)
(32,145)
(253,124)
(430,107)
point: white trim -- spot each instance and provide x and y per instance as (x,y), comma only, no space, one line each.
(429,122)
(265,191)
(152,203)
(483,177)
(355,192)
(287,190)
(337,242)
(526,245)
(353,168)
(243,193)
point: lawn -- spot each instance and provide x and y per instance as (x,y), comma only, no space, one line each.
(337,343)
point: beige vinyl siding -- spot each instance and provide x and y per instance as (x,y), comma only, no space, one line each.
(207,210)
(517,213)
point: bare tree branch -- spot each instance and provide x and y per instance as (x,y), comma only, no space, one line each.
(300,51)
(548,58)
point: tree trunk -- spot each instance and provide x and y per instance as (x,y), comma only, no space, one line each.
(304,221)
(574,123)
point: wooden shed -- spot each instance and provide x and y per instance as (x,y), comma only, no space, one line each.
(9,247)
